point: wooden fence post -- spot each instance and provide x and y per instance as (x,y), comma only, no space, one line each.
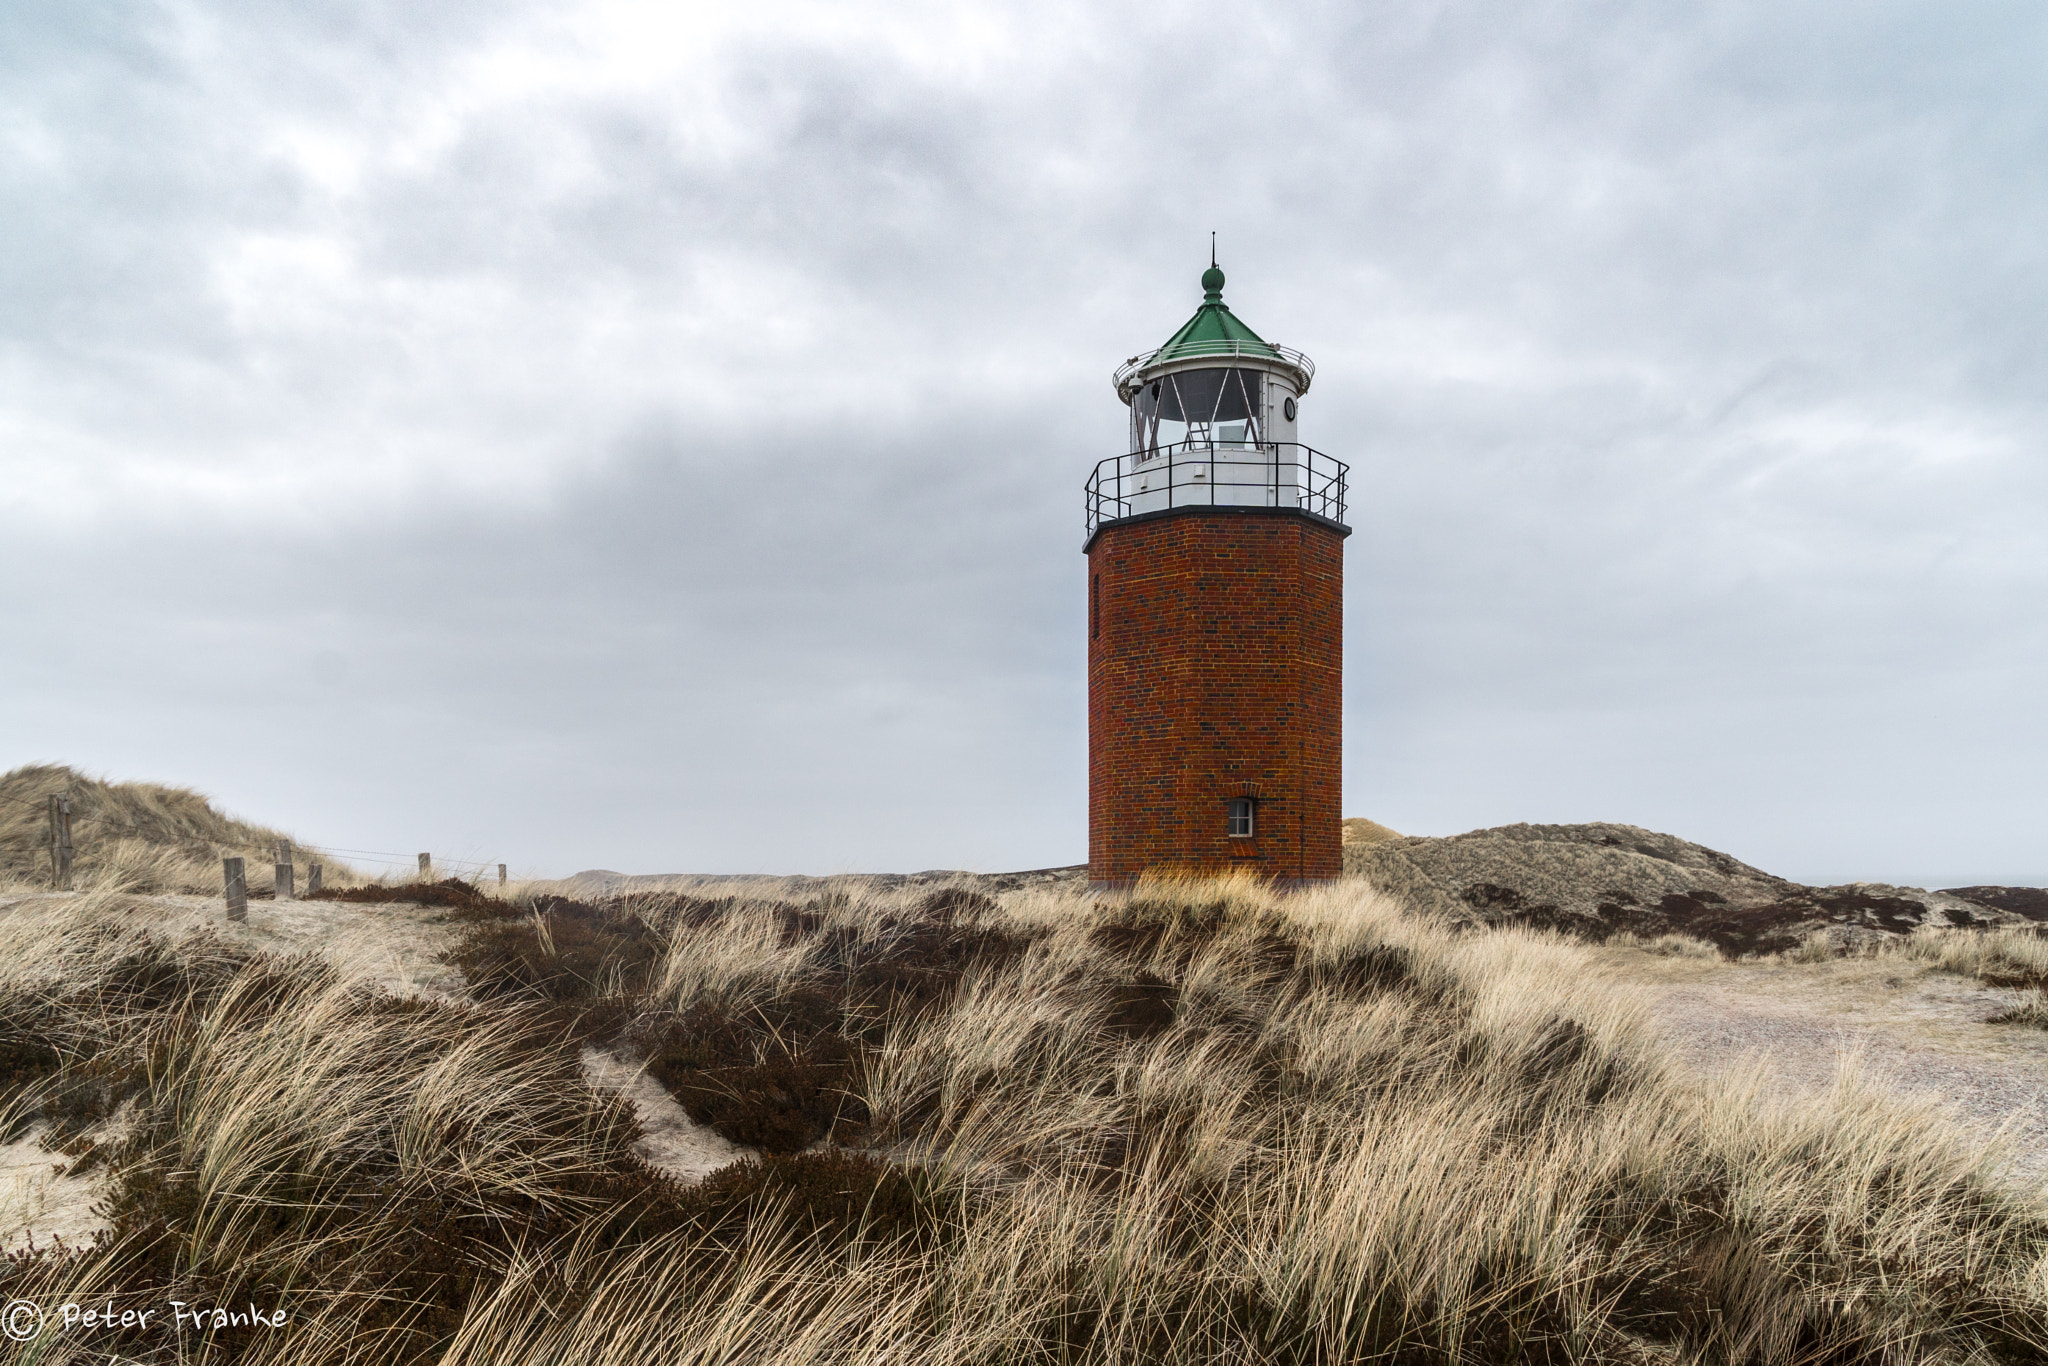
(501,875)
(236,890)
(426,867)
(60,842)
(282,882)
(312,878)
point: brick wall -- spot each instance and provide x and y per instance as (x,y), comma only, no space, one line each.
(1215,670)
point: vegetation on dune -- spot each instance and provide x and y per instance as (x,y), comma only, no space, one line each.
(1601,880)
(1359,830)
(2002,957)
(132,837)
(2005,956)
(1194,1122)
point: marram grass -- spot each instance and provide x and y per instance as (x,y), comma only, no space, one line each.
(1189,1123)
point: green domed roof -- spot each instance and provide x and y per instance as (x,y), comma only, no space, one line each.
(1213,329)
(1214,334)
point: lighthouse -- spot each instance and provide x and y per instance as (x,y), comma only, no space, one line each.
(1215,549)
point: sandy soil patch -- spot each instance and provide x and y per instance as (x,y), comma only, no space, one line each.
(43,1199)
(1920,1029)
(394,947)
(40,1202)
(674,1142)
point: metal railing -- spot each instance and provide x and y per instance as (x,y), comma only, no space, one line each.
(1125,376)
(1273,474)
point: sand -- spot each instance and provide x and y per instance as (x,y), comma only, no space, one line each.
(674,1142)
(1912,1027)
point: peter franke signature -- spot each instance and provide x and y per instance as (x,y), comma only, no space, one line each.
(24,1320)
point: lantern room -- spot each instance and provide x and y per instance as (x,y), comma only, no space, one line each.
(1215,420)
(1215,382)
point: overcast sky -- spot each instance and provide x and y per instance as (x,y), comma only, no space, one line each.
(630,436)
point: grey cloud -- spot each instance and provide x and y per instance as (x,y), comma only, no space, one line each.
(689,476)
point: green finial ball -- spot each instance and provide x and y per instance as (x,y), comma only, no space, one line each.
(1212,280)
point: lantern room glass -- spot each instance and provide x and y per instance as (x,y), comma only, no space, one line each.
(1219,407)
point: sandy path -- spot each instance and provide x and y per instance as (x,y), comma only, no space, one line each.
(673,1142)
(393,947)
(40,1202)
(1921,1030)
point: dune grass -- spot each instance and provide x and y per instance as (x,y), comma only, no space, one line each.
(1188,1123)
(2014,956)
(2005,956)
(137,837)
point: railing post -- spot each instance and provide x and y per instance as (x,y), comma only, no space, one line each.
(281,879)
(60,842)
(235,888)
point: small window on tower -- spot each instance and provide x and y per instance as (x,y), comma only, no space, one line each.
(1241,823)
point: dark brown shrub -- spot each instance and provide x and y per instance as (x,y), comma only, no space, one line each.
(833,1196)
(1142,1008)
(24,1060)
(451,892)
(920,967)
(565,951)
(777,1077)
(950,903)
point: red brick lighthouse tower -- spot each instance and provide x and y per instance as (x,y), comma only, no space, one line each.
(1215,617)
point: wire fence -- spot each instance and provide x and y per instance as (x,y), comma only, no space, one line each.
(438,866)
(391,858)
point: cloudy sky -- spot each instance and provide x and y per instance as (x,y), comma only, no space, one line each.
(636,436)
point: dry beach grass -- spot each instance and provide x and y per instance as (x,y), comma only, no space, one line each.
(134,837)
(858,1121)
(1195,1122)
